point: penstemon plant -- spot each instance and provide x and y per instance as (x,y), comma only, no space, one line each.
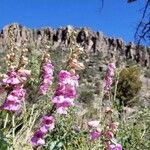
(64,94)
(104,130)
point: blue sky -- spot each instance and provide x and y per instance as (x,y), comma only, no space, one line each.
(116,19)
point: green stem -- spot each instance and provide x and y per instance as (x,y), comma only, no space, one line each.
(13,131)
(6,120)
(30,122)
(101,102)
(116,84)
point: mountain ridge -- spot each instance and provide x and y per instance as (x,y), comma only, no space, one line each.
(92,42)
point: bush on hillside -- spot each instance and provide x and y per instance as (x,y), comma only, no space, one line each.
(129,85)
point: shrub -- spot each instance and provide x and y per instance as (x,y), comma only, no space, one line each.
(129,85)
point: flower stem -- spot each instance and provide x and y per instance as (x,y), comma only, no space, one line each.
(101,102)
(6,120)
(13,131)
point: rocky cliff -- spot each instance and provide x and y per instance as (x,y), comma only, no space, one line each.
(93,42)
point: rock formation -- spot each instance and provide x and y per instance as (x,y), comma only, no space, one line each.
(93,42)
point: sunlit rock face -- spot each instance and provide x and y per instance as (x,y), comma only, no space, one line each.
(93,42)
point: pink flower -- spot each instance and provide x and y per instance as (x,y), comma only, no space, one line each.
(65,92)
(47,77)
(64,75)
(47,123)
(93,124)
(19,92)
(115,147)
(109,76)
(109,134)
(14,99)
(62,103)
(44,88)
(95,135)
(16,96)
(112,65)
(48,67)
(11,78)
(61,100)
(94,131)
(11,106)
(62,110)
(38,138)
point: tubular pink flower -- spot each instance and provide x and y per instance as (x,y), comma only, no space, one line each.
(38,138)
(19,92)
(62,107)
(65,92)
(16,96)
(47,124)
(47,77)
(108,83)
(115,147)
(93,124)
(14,100)
(109,76)
(63,75)
(11,78)
(62,103)
(11,106)
(95,135)
(109,134)
(62,110)
(61,100)
(14,77)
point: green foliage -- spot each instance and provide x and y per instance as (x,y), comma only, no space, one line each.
(131,62)
(66,134)
(129,85)
(2,61)
(34,65)
(86,96)
(4,145)
(59,58)
(35,61)
(134,133)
